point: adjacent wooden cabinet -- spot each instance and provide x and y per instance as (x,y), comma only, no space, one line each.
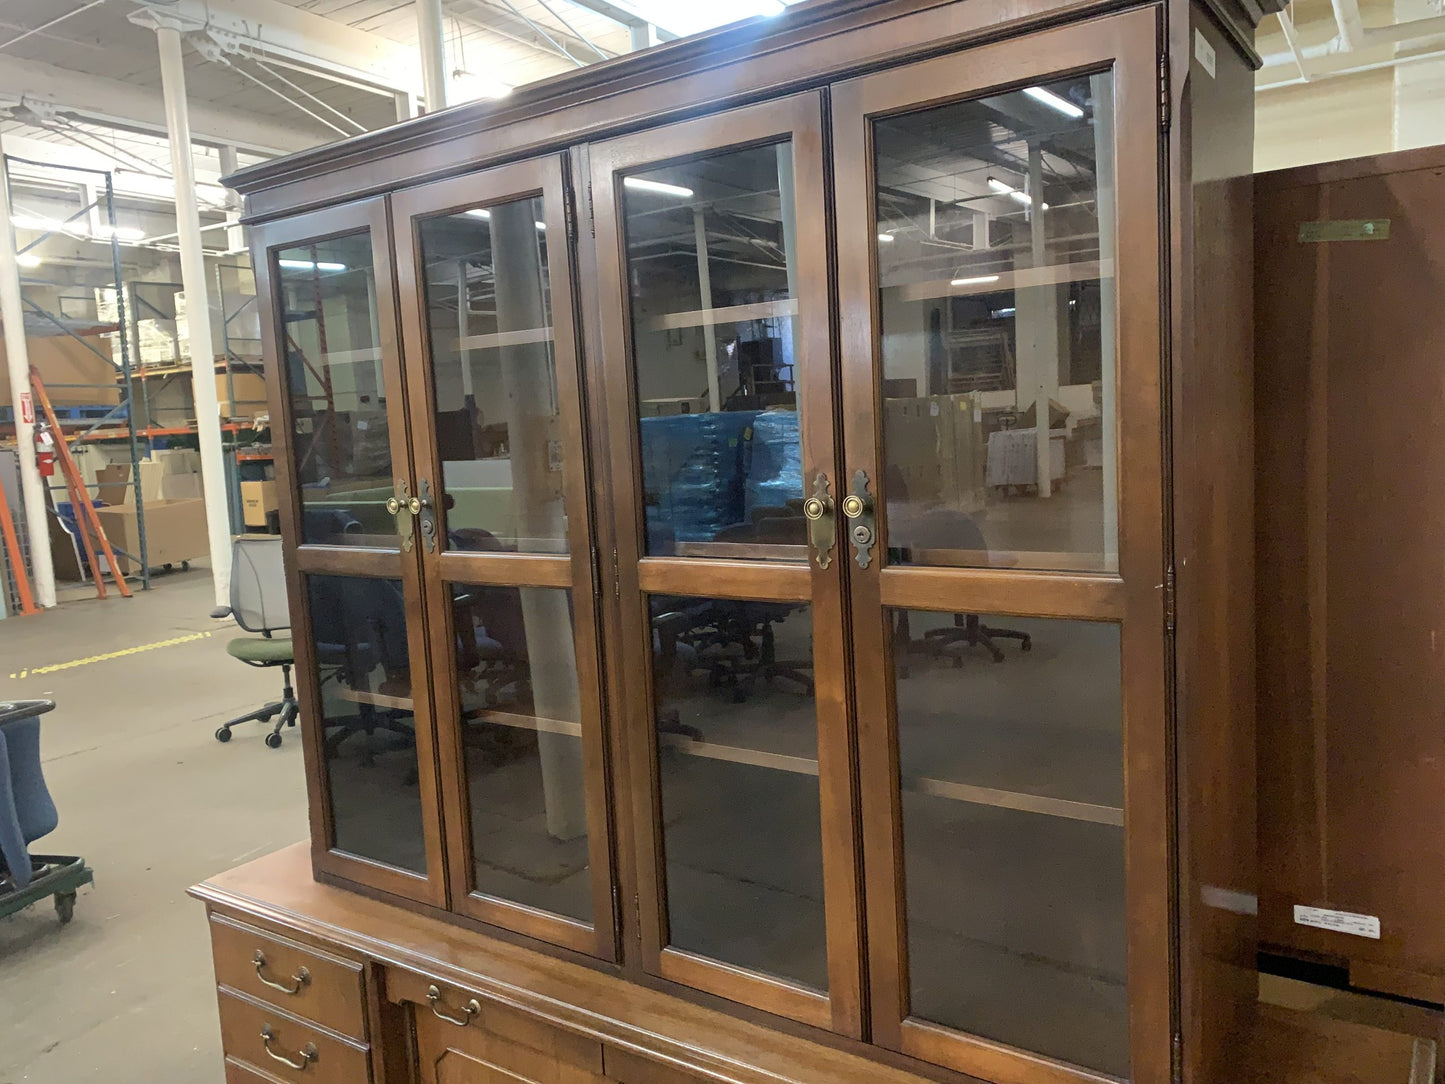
(767,536)
(1350,259)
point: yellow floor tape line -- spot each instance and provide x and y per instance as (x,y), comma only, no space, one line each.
(33,670)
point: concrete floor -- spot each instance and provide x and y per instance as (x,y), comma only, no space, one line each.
(154,803)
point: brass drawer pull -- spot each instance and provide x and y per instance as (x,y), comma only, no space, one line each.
(307,1053)
(298,980)
(472,1007)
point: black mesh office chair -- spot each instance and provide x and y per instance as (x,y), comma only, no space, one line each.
(258,603)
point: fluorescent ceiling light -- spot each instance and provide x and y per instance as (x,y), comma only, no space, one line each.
(1054,101)
(1000,314)
(885,237)
(120,233)
(23,221)
(482,212)
(28,259)
(659,187)
(307,265)
(468,87)
(999,186)
(976,280)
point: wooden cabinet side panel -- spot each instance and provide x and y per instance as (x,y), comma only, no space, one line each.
(1352,525)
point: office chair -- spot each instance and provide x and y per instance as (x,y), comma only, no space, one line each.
(26,810)
(258,603)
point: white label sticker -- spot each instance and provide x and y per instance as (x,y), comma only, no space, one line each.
(1338,921)
(1204,52)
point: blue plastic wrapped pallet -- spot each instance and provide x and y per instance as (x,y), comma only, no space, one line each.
(775,468)
(693,475)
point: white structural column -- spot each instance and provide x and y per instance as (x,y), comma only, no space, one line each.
(198,305)
(433,54)
(32,487)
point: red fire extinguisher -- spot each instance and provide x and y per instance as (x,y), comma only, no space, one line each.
(44,453)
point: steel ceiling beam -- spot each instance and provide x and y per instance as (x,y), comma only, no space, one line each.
(123,105)
(320,43)
(619,13)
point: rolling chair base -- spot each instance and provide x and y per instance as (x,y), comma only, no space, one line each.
(286,708)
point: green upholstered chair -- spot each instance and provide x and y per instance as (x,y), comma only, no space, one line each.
(258,603)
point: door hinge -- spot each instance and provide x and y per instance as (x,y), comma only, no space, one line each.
(637,917)
(1169,599)
(1176,1060)
(1164,117)
(596,573)
(616,579)
(591,212)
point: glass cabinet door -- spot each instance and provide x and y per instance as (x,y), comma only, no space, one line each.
(999,251)
(343,463)
(717,384)
(506,542)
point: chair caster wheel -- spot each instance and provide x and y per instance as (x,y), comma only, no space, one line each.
(65,907)
(223,735)
(1028,645)
(273,741)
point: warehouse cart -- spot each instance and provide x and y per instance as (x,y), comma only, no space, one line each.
(27,813)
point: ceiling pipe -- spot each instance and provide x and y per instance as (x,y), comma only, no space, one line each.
(430,40)
(1348,68)
(1413,32)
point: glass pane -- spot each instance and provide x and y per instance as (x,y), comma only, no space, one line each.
(738,755)
(1013,840)
(341,451)
(489,321)
(997,308)
(364,673)
(713,276)
(516,673)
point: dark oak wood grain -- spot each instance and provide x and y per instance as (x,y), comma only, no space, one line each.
(1350,523)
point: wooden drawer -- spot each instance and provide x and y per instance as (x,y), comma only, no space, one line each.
(328,1058)
(314,984)
(509,1039)
(238,1072)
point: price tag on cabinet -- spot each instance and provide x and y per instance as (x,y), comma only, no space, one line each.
(1338,921)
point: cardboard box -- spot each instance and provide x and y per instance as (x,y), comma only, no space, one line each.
(250,389)
(175,532)
(113,483)
(258,499)
(62,360)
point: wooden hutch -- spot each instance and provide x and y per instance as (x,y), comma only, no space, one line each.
(768,525)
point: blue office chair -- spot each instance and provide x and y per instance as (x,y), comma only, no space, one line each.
(27,813)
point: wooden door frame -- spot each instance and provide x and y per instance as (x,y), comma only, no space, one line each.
(302,560)
(546,177)
(1128,45)
(799,119)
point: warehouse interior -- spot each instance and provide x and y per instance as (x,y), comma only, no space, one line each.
(137,396)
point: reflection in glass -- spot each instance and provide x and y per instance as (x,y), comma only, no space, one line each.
(516,674)
(738,756)
(489,323)
(326,294)
(712,270)
(358,626)
(1012,783)
(998,319)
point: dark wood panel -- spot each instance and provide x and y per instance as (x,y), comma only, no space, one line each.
(1211,395)
(724,579)
(981,591)
(507,569)
(1351,522)
(1290,1047)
